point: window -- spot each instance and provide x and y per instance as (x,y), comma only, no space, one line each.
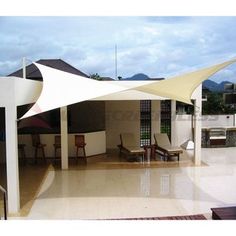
(230,98)
(166,117)
(145,122)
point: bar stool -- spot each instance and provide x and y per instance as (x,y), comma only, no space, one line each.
(38,145)
(80,144)
(57,144)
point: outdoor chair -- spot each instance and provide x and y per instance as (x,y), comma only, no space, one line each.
(38,146)
(130,147)
(57,144)
(80,144)
(164,147)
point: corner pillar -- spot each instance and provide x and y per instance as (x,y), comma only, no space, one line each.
(64,138)
(13,192)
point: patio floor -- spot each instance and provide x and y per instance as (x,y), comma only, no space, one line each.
(31,178)
(107,188)
(113,161)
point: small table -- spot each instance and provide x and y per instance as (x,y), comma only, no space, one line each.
(152,148)
(224,213)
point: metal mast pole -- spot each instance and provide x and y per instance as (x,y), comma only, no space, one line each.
(116,62)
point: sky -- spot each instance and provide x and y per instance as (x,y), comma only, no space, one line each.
(156,46)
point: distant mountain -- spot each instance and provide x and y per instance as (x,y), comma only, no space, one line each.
(222,85)
(209,84)
(213,86)
(139,76)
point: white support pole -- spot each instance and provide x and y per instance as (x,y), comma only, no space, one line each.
(156,118)
(13,191)
(173,123)
(197,128)
(64,138)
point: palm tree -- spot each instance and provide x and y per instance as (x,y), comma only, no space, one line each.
(95,76)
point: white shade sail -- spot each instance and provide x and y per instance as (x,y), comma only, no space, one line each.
(130,93)
(61,88)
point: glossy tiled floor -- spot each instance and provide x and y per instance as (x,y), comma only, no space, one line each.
(102,193)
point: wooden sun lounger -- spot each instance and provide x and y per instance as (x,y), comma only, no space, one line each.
(129,146)
(164,147)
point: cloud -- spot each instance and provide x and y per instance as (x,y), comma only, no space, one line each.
(227,74)
(157,46)
(8,66)
(169,19)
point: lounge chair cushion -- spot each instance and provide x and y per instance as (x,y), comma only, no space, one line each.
(128,140)
(163,145)
(134,150)
(130,144)
(171,149)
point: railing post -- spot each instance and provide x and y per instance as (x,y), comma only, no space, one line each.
(4,201)
(5,206)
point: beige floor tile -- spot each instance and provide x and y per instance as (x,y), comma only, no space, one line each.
(112,189)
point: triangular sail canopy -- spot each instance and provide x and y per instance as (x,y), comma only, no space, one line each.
(181,87)
(62,88)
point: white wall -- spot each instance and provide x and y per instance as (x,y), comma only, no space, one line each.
(95,144)
(121,116)
(25,91)
(124,116)
(183,130)
(218,120)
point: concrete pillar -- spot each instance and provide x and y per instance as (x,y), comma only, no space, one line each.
(197,127)
(156,118)
(64,138)
(174,134)
(13,191)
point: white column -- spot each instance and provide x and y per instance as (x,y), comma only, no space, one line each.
(13,192)
(174,134)
(156,118)
(197,128)
(64,138)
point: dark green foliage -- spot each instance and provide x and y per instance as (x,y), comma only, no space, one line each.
(95,76)
(215,105)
